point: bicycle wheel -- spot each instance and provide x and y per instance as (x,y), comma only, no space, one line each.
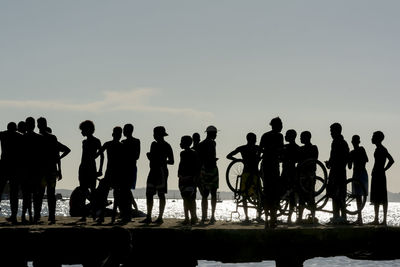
(351,199)
(234,174)
(312,176)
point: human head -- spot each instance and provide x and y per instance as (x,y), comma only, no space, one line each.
(290,135)
(42,124)
(377,137)
(186,142)
(159,132)
(355,140)
(12,127)
(117,133)
(211,132)
(196,138)
(251,138)
(305,137)
(87,127)
(30,124)
(276,124)
(128,129)
(336,129)
(22,127)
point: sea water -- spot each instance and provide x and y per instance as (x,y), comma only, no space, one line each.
(227,211)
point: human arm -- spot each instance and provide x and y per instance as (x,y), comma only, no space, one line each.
(100,153)
(232,154)
(390,161)
(137,150)
(64,149)
(170,156)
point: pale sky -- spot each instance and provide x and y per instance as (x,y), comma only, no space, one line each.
(188,64)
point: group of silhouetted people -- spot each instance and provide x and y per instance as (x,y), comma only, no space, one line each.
(31,164)
(280,181)
(197,169)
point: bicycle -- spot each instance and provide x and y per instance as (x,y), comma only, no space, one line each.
(250,192)
(321,180)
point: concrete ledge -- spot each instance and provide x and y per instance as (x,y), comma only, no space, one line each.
(134,244)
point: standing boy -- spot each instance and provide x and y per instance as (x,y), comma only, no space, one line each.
(160,156)
(209,178)
(337,164)
(289,161)
(307,151)
(188,172)
(250,177)
(271,145)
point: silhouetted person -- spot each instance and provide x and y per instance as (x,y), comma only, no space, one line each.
(188,172)
(271,145)
(160,156)
(383,161)
(131,155)
(358,160)
(289,160)
(26,184)
(307,151)
(87,170)
(209,177)
(196,141)
(34,166)
(50,172)
(113,174)
(249,183)
(337,164)
(10,152)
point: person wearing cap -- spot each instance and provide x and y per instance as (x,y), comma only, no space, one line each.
(271,145)
(209,178)
(160,156)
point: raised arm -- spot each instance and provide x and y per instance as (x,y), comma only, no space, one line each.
(232,154)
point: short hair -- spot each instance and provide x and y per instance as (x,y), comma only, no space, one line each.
(21,126)
(30,123)
(379,135)
(275,122)
(186,141)
(12,126)
(251,137)
(306,135)
(291,133)
(128,128)
(87,125)
(196,136)
(117,130)
(336,127)
(42,122)
(355,137)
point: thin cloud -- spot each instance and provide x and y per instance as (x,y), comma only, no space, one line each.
(133,100)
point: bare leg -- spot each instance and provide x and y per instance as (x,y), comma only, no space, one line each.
(213,205)
(385,208)
(245,209)
(359,215)
(186,209)
(149,203)
(161,197)
(376,208)
(204,205)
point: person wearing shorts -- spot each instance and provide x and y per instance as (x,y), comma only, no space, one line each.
(250,177)
(209,177)
(160,156)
